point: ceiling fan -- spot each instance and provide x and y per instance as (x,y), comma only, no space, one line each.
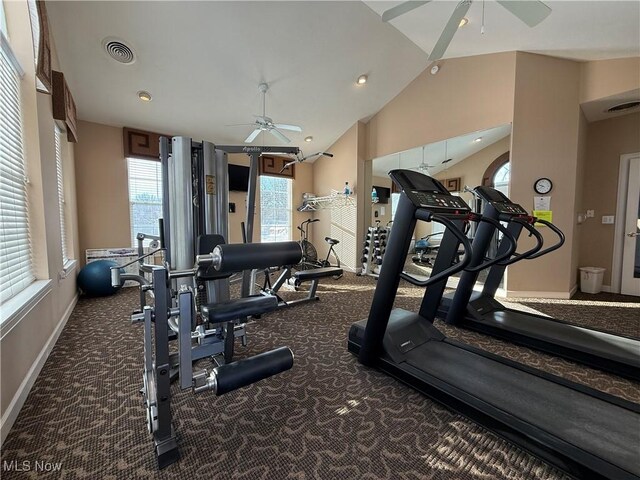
(424,167)
(531,12)
(266,124)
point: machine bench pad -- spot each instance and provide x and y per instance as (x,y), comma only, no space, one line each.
(316,273)
(238,308)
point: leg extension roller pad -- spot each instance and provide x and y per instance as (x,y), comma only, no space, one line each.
(232,376)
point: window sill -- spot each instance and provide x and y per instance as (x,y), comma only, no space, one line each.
(14,309)
(69,267)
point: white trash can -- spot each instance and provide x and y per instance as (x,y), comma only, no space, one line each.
(591,279)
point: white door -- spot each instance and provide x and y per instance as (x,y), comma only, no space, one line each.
(631,249)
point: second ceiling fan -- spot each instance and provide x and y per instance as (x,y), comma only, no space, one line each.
(266,124)
(531,12)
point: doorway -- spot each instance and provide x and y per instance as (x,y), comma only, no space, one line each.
(626,268)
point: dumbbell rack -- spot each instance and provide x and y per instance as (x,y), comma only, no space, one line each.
(373,252)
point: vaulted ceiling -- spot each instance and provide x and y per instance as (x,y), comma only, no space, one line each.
(203,61)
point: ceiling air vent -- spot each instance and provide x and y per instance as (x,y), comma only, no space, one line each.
(624,106)
(119,51)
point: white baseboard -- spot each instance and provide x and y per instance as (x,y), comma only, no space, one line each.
(607,288)
(524,294)
(573,290)
(12,411)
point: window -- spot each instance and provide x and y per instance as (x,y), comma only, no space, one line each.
(275,209)
(501,178)
(61,202)
(16,272)
(145,196)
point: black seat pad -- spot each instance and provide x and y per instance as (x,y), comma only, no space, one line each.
(238,308)
(316,273)
(331,241)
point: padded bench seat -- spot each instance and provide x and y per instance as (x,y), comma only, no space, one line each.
(230,310)
(316,273)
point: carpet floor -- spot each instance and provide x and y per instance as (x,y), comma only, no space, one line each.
(327,418)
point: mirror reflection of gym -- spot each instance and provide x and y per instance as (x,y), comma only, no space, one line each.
(476,158)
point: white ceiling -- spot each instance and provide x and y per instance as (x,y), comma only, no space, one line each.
(581,30)
(203,61)
(457,149)
(597,109)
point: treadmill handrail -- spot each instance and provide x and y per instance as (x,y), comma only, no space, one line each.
(556,246)
(525,222)
(431,217)
(506,234)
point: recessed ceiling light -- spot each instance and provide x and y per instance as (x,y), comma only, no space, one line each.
(435,69)
(479,139)
(362,79)
(463,22)
(308,139)
(144,96)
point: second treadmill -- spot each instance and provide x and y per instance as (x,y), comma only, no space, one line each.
(480,311)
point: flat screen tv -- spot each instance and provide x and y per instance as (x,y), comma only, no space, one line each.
(238,178)
(383,194)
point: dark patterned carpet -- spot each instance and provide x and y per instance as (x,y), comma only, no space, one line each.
(327,418)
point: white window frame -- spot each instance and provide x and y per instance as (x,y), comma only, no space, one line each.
(20,276)
(264,206)
(64,239)
(158,191)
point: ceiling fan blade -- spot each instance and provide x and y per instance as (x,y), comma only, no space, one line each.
(401,9)
(241,125)
(279,135)
(252,136)
(531,12)
(284,126)
(449,30)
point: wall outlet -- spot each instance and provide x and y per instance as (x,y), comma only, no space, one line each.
(608,219)
(591,213)
(382,211)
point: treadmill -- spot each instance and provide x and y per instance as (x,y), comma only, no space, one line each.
(582,431)
(480,311)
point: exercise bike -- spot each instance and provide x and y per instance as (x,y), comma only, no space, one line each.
(310,254)
(426,251)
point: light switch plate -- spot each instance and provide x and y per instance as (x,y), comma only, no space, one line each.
(591,213)
(608,219)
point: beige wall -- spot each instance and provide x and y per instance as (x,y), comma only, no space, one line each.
(102,188)
(604,78)
(606,141)
(25,345)
(545,144)
(467,95)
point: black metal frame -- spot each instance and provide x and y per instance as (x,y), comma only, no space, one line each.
(460,309)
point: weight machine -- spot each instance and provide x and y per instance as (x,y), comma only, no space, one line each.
(192,304)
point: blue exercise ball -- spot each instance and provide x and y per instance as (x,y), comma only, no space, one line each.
(95,278)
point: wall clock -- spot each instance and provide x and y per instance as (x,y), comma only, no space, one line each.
(543,186)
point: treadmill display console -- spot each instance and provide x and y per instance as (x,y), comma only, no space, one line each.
(499,201)
(437,201)
(427,192)
(509,208)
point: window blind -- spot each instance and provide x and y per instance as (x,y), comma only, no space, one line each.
(61,202)
(16,272)
(145,196)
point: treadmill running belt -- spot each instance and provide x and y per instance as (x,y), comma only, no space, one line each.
(606,345)
(605,430)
